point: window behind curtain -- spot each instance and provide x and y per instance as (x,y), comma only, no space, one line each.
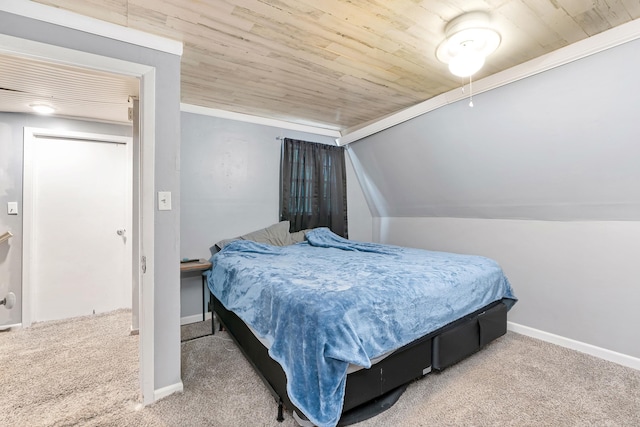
(313,186)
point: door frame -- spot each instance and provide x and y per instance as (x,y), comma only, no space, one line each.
(29,190)
(142,235)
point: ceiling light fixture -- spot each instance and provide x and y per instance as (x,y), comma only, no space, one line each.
(469,40)
(42,108)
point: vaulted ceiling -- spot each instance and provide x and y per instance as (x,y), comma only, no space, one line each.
(340,63)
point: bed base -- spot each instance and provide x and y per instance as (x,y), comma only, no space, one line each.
(437,350)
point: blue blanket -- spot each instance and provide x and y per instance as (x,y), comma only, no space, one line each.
(329,302)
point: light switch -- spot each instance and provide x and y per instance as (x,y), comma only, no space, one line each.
(12,208)
(164,200)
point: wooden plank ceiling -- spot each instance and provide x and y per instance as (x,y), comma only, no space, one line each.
(72,91)
(340,63)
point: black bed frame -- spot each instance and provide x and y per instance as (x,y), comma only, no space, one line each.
(437,350)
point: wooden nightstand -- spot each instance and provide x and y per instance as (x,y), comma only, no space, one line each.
(201,266)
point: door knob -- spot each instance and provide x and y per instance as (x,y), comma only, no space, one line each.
(9,300)
(121,232)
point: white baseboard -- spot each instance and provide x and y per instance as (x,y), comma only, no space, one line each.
(166,391)
(13,326)
(602,353)
(193,319)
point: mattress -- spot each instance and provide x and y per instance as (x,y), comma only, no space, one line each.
(329,303)
(352,368)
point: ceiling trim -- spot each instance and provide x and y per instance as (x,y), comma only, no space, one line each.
(205,111)
(79,22)
(10,45)
(594,44)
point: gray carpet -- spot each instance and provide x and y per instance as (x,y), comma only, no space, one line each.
(74,372)
(84,372)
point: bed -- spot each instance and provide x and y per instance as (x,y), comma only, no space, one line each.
(334,326)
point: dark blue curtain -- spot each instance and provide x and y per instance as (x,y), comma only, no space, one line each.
(313,189)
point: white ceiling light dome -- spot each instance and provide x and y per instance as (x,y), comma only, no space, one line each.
(466,63)
(42,108)
(469,40)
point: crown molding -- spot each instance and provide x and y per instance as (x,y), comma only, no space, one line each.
(606,40)
(75,21)
(223,114)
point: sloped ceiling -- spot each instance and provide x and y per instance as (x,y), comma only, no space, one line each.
(340,64)
(561,145)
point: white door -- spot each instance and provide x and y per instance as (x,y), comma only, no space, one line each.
(80,215)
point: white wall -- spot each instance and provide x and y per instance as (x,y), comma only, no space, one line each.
(11,171)
(579,280)
(230,185)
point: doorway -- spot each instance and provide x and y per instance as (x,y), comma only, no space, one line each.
(77,208)
(142,230)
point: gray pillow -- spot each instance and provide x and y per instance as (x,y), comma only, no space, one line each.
(299,236)
(222,243)
(276,235)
